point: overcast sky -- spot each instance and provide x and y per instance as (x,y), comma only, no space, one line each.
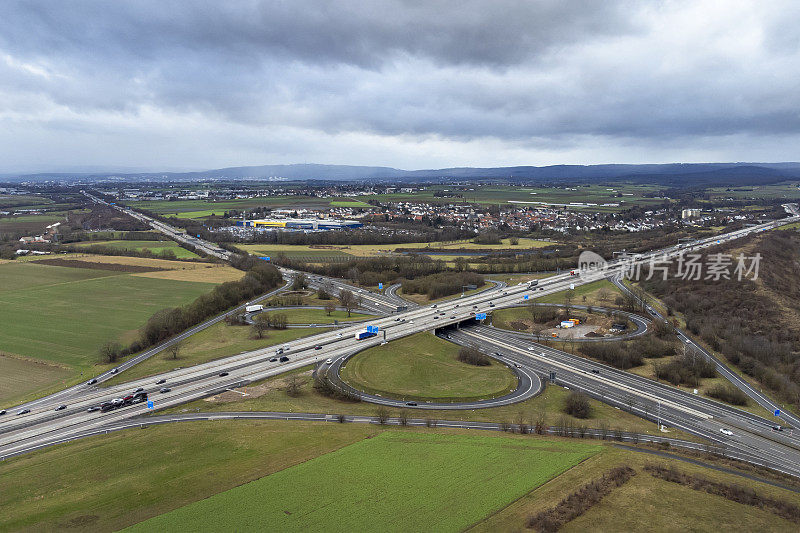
(408,84)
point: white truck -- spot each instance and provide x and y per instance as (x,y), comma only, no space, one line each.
(254,308)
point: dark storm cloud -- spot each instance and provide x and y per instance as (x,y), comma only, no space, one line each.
(547,73)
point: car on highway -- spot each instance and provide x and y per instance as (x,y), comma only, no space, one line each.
(317,347)
(777,428)
(284,359)
(162,390)
(491,304)
(223,374)
(453,317)
(114,370)
(160,381)
(595,371)
(273,359)
(23,411)
(436,317)
(2,412)
(339,335)
(106,406)
(60,407)
(397,319)
(93,408)
(138,389)
(497,354)
(411,404)
(92,381)
(328,361)
(434,306)
(727,432)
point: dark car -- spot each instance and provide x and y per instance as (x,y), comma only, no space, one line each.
(60,407)
(106,406)
(92,381)
(162,390)
(777,428)
(139,389)
(491,304)
(161,381)
(114,370)
(274,359)
(595,371)
(436,317)
(317,347)
(411,404)
(24,411)
(139,397)
(2,411)
(223,374)
(284,359)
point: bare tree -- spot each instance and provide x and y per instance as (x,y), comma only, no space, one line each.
(604,294)
(110,352)
(349,301)
(174,350)
(330,307)
(403,417)
(382,414)
(293,386)
(261,324)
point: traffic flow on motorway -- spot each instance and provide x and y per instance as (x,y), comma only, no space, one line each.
(70,414)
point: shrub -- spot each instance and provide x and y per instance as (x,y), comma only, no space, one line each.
(577,405)
(472,356)
(728,393)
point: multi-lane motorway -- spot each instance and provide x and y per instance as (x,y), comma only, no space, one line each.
(750,438)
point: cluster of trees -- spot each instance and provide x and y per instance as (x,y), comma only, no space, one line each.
(750,323)
(625,355)
(687,370)
(168,322)
(442,284)
(370,271)
(263,321)
(396,234)
(473,356)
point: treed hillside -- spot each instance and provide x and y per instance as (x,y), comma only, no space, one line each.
(755,324)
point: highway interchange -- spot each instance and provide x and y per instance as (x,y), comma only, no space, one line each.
(751,438)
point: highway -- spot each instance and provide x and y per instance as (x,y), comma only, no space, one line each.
(697,415)
(756,395)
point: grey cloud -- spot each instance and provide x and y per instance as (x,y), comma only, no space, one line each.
(525,73)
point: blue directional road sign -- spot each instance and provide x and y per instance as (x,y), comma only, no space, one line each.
(150,404)
(777,412)
(480,316)
(525,297)
(372,329)
(380,286)
(264,258)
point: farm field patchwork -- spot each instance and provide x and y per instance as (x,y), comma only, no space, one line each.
(395,481)
(62,315)
(109,482)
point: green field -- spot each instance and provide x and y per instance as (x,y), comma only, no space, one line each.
(632,194)
(109,482)
(156,247)
(62,315)
(349,202)
(20,376)
(396,481)
(424,367)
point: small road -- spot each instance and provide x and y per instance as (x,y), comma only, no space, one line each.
(528,386)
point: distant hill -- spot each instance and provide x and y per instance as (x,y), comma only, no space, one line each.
(673,174)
